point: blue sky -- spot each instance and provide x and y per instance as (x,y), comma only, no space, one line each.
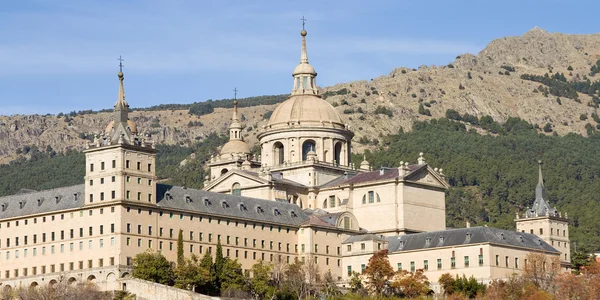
(59,56)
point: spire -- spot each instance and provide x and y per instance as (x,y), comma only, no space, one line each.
(540,190)
(235,128)
(121,107)
(304,74)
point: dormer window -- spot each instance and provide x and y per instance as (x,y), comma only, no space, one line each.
(401,245)
(57,199)
(259,209)
(502,236)
(468,236)
(224,204)
(521,238)
(276,212)
(427,242)
(21,204)
(4,206)
(441,239)
(243,207)
(188,199)
(76,196)
(39,202)
(168,196)
(207,202)
(293,214)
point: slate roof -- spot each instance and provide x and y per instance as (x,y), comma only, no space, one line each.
(26,202)
(457,237)
(230,205)
(364,237)
(179,198)
(389,173)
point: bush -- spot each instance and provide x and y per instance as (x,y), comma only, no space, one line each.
(382,110)
(548,127)
(348,111)
(453,115)
(583,117)
(508,68)
(267,115)
(423,110)
(201,108)
(569,68)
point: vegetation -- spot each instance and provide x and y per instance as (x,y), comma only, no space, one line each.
(557,83)
(492,177)
(61,290)
(595,69)
(424,111)
(382,110)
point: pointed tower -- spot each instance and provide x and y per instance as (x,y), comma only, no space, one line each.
(120,164)
(546,222)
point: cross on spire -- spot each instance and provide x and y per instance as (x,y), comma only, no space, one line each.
(303,22)
(121,60)
(235,90)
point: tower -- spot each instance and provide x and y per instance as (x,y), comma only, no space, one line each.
(120,164)
(546,222)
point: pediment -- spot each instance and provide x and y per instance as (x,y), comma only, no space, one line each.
(226,181)
(427,176)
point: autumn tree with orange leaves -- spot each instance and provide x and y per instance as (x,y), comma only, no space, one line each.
(378,273)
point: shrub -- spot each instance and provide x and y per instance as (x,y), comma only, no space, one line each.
(423,110)
(548,127)
(267,115)
(451,66)
(348,111)
(453,115)
(382,110)
(583,117)
(508,68)
(569,68)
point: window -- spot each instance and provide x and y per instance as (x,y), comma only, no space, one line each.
(149,167)
(362,246)
(331,201)
(412,266)
(466,261)
(127,165)
(480,259)
(452,262)
(114,163)
(425,265)
(236,189)
(541,231)
(363,267)
(516,262)
(371,196)
(139,165)
(91,167)
(349,271)
(506,261)
(497,260)
(101,165)
(399,266)
(439,263)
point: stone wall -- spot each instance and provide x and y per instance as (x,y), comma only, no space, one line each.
(150,290)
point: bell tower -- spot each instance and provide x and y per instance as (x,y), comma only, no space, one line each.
(120,164)
(546,222)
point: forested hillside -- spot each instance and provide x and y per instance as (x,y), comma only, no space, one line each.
(494,176)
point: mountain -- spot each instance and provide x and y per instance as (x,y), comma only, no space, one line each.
(506,79)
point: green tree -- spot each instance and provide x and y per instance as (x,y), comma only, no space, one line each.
(453,115)
(189,274)
(152,266)
(261,280)
(180,257)
(218,266)
(548,127)
(232,276)
(207,263)
(356,284)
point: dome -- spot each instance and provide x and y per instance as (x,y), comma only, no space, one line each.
(130,124)
(235,146)
(306,109)
(304,69)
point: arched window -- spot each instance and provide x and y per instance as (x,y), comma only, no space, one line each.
(278,153)
(337,153)
(325,203)
(224,171)
(236,189)
(347,223)
(370,197)
(307,146)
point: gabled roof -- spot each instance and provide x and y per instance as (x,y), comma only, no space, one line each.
(379,175)
(177,197)
(467,236)
(254,176)
(26,201)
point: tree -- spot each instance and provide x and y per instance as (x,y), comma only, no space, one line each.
(329,285)
(446,281)
(189,274)
(232,276)
(180,257)
(356,284)
(548,127)
(578,261)
(541,269)
(207,263)
(218,266)
(424,111)
(152,266)
(261,280)
(61,290)
(378,272)
(410,285)
(296,279)
(453,115)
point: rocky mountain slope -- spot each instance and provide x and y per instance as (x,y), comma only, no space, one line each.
(488,83)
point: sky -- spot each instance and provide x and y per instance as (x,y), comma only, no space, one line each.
(61,56)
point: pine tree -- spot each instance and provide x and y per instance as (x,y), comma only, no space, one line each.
(180,257)
(219,263)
